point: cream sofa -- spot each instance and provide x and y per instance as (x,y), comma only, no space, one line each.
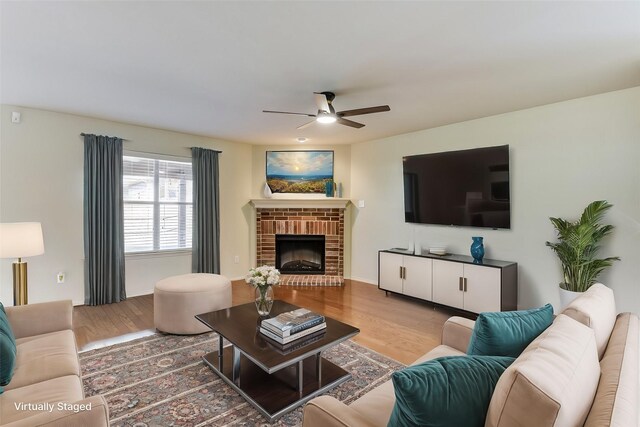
(583,370)
(46,387)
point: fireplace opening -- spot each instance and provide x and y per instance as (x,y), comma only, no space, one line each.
(300,253)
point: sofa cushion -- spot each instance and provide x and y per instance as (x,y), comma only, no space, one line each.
(616,402)
(508,333)
(63,389)
(49,356)
(7,350)
(448,391)
(552,383)
(376,405)
(595,308)
(440,351)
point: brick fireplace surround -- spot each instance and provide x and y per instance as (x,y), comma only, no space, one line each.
(312,220)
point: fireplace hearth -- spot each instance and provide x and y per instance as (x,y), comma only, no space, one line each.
(300,254)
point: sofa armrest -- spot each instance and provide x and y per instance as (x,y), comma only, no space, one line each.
(94,412)
(456,333)
(327,411)
(42,318)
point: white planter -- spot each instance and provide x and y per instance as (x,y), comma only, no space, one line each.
(566,297)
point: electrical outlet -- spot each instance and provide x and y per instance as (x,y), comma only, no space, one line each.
(236,259)
(361,203)
(60,277)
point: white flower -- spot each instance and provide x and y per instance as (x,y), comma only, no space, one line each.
(265,275)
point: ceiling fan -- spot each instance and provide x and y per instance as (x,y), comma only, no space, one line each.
(327,114)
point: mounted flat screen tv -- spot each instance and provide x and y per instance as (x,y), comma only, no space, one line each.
(467,188)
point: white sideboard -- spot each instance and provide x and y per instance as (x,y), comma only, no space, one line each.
(452,280)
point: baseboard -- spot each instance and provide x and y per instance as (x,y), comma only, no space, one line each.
(137,294)
(367,281)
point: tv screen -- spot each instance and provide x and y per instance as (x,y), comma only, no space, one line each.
(467,188)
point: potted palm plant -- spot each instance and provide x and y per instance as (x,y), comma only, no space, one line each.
(577,248)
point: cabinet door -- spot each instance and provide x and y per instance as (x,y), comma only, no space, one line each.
(389,276)
(417,279)
(446,283)
(483,288)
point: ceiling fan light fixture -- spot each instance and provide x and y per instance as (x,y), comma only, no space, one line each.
(327,114)
(325,118)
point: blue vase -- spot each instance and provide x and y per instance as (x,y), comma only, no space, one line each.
(477,249)
(328,188)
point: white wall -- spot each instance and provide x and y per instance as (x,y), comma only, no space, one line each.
(41,178)
(563,156)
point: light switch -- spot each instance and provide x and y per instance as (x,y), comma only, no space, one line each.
(361,203)
(15,117)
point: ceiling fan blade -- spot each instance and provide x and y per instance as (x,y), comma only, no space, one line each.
(350,123)
(287,112)
(321,102)
(306,125)
(361,111)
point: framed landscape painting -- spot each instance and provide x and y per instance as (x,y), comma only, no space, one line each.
(299,171)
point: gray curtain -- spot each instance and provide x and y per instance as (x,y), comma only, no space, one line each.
(206,212)
(103,221)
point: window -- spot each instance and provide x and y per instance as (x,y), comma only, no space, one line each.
(157,204)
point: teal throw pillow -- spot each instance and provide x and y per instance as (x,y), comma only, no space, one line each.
(4,323)
(448,391)
(7,349)
(508,333)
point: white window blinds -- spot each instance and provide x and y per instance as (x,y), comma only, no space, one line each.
(157,204)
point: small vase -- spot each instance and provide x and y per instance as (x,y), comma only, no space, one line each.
(267,191)
(328,187)
(264,300)
(477,249)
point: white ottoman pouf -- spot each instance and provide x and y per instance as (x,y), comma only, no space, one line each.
(177,299)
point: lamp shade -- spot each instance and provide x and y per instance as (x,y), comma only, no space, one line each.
(21,239)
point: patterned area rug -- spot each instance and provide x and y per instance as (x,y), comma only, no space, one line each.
(161,380)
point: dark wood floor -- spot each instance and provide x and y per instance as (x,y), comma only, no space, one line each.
(395,326)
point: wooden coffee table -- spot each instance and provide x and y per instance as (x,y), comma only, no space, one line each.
(272,378)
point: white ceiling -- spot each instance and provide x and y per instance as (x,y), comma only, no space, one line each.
(209,68)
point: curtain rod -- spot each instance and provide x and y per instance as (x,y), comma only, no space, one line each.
(215,151)
(85,134)
(177,156)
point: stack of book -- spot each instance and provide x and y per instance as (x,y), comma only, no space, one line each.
(292,325)
(295,344)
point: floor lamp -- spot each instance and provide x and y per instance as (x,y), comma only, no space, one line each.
(20,240)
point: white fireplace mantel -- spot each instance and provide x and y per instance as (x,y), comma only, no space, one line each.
(322,203)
